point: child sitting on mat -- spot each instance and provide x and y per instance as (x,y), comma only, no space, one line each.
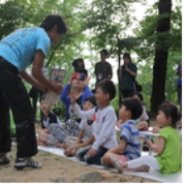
(104,136)
(78,143)
(129,147)
(168,146)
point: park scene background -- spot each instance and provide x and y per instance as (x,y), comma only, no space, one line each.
(151,31)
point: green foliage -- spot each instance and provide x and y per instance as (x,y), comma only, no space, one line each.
(11,17)
(101,24)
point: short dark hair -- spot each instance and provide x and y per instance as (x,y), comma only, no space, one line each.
(92,99)
(42,97)
(170,111)
(104,51)
(52,20)
(139,95)
(127,55)
(108,87)
(75,63)
(134,106)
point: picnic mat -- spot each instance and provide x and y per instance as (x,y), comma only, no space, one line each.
(152,174)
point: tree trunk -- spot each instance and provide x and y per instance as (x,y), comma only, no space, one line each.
(119,64)
(161,56)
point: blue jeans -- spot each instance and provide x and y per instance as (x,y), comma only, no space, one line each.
(92,160)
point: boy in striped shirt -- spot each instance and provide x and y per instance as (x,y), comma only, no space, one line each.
(129,147)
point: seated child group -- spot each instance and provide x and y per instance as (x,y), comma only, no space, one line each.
(89,132)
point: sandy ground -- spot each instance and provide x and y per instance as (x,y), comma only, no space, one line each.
(57,168)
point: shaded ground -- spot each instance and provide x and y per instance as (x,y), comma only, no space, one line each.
(60,169)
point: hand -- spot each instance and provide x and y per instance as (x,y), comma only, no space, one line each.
(156,129)
(56,87)
(70,151)
(119,122)
(91,152)
(70,79)
(126,68)
(72,96)
(149,143)
(86,81)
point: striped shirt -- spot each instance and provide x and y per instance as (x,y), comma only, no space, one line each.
(133,146)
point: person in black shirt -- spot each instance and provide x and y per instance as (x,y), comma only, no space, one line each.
(103,69)
(79,66)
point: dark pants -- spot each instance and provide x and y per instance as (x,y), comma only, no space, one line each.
(93,160)
(13,94)
(35,94)
(127,93)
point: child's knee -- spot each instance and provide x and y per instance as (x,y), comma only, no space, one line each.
(106,158)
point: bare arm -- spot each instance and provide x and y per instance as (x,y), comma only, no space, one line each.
(120,72)
(159,147)
(31,80)
(79,138)
(120,147)
(87,143)
(37,73)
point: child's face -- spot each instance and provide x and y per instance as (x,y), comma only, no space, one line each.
(100,96)
(87,105)
(136,97)
(44,106)
(124,113)
(162,120)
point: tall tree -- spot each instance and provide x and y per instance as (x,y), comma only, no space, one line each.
(161,54)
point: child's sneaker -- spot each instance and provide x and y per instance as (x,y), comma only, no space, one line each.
(21,163)
(4,159)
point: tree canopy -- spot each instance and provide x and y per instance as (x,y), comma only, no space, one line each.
(95,24)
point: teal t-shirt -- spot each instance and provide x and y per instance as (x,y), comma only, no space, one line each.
(170,160)
(127,80)
(20,46)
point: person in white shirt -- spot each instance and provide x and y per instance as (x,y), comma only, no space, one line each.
(76,144)
(104,136)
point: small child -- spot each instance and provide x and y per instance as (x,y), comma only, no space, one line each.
(129,147)
(78,143)
(169,158)
(49,117)
(104,136)
(144,118)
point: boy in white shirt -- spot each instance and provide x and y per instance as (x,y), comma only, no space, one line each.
(104,136)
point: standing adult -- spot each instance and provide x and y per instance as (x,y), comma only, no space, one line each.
(17,51)
(79,66)
(127,73)
(103,69)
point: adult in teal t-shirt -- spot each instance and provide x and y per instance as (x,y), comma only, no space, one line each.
(127,73)
(17,51)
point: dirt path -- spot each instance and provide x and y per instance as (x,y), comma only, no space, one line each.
(57,168)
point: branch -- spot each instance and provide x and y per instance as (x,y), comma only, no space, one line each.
(54,50)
